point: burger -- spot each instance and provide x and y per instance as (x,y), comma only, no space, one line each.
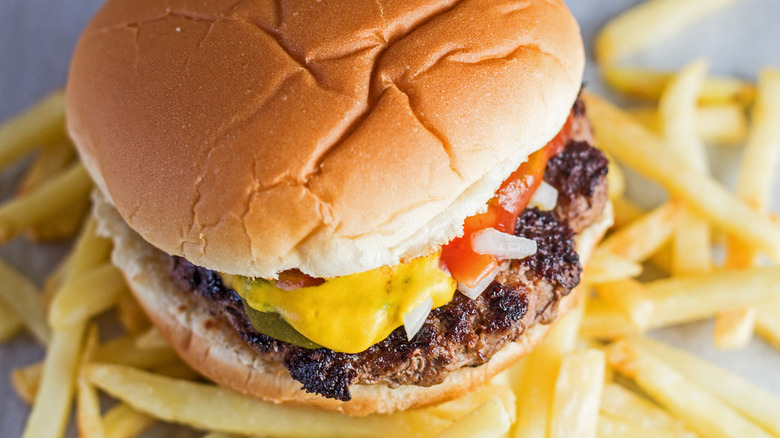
(360,206)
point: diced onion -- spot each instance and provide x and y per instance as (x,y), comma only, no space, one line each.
(502,245)
(414,319)
(545,197)
(474,292)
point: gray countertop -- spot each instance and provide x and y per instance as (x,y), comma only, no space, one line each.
(37,39)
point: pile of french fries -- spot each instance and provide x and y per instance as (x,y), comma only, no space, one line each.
(596,374)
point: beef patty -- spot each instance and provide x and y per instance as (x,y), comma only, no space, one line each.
(464,332)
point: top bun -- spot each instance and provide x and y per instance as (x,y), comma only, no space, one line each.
(329,136)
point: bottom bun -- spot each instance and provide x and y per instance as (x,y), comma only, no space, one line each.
(213,348)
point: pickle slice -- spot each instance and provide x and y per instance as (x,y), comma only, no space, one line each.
(271,324)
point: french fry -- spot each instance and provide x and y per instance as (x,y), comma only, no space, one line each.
(51,159)
(721,124)
(625,212)
(615,427)
(123,351)
(207,406)
(10,322)
(131,316)
(630,298)
(734,328)
(648,23)
(645,236)
(88,419)
(122,421)
(51,409)
(23,297)
(685,299)
(616,179)
(64,225)
(622,403)
(647,84)
(27,380)
(699,409)
(751,401)
(457,408)
(575,409)
(220,435)
(86,295)
(677,116)
(89,251)
(41,124)
(56,195)
(629,142)
(176,370)
(150,340)
(601,321)
(490,419)
(535,387)
(604,266)
(768,323)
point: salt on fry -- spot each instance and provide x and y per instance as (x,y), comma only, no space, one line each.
(24,298)
(56,195)
(647,84)
(751,401)
(700,410)
(619,134)
(41,124)
(575,409)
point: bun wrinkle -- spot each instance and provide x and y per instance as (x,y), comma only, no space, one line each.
(252,139)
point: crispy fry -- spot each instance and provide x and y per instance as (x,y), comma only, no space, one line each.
(489,419)
(51,409)
(575,409)
(721,124)
(122,421)
(692,298)
(86,295)
(27,380)
(648,85)
(535,387)
(700,410)
(10,322)
(630,143)
(87,404)
(211,407)
(643,237)
(23,297)
(57,194)
(631,299)
(601,321)
(41,124)
(751,401)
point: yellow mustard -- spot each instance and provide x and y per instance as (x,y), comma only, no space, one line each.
(352,312)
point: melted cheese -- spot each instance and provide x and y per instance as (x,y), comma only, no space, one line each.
(352,312)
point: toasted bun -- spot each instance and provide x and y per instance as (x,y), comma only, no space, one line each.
(333,137)
(212,347)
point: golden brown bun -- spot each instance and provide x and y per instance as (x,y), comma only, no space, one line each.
(332,136)
(212,347)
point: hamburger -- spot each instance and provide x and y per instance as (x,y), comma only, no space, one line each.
(360,206)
